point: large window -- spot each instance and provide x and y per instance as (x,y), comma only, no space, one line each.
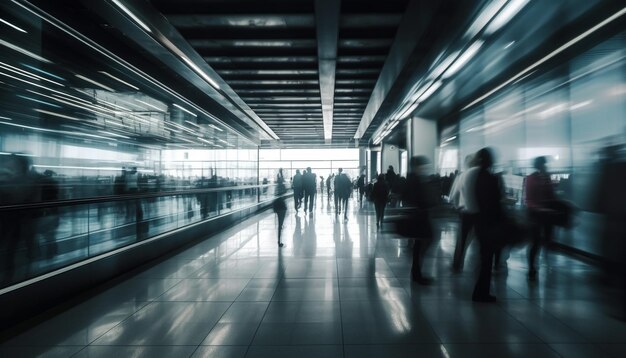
(323,162)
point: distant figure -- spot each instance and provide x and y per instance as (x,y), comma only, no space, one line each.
(310,187)
(329,181)
(49,220)
(463,198)
(418,197)
(17,186)
(488,198)
(360,183)
(380,196)
(297,189)
(539,194)
(343,189)
(279,206)
(391,177)
(322,185)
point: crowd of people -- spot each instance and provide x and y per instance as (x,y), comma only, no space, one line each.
(476,193)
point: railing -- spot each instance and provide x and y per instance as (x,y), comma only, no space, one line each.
(37,238)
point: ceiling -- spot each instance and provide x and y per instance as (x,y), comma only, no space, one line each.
(268,52)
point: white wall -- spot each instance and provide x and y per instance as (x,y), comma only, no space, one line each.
(424,137)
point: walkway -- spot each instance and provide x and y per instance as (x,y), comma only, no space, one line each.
(338,289)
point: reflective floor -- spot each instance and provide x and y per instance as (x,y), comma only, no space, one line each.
(337,289)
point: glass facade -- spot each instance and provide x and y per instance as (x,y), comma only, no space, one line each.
(572,114)
(322,161)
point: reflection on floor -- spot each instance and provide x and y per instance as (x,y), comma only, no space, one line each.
(338,289)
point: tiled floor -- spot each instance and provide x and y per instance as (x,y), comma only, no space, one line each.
(338,289)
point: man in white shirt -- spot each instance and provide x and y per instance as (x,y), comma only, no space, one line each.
(463,197)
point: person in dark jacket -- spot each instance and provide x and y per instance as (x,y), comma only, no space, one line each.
(418,197)
(309,184)
(380,196)
(539,193)
(280,208)
(361,186)
(297,189)
(488,199)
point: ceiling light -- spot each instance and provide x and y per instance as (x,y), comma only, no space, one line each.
(185,109)
(23,51)
(120,80)
(216,127)
(42,71)
(95,83)
(484,17)
(150,105)
(505,15)
(463,59)
(193,124)
(13,26)
(200,72)
(435,86)
(132,15)
(509,44)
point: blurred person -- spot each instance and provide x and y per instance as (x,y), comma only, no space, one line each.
(610,199)
(380,196)
(418,198)
(488,199)
(539,196)
(361,186)
(279,206)
(49,220)
(321,186)
(296,184)
(16,226)
(329,180)
(309,185)
(463,198)
(394,194)
(343,189)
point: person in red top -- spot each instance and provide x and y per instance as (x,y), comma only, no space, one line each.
(539,194)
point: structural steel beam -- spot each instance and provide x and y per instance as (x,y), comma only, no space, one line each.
(327,28)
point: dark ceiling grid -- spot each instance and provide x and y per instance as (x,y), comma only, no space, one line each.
(267,52)
(366,32)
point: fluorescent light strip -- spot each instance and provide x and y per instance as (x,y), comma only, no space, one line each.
(57,114)
(206,141)
(120,80)
(463,59)
(132,15)
(151,105)
(39,101)
(193,124)
(43,72)
(200,72)
(505,15)
(13,26)
(23,51)
(114,134)
(550,55)
(25,73)
(95,83)
(185,109)
(216,127)
(55,131)
(6,118)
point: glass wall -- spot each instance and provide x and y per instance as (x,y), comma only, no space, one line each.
(323,162)
(77,122)
(575,115)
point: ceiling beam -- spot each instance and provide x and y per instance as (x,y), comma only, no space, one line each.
(327,27)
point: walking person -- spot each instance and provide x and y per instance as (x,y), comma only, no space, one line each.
(418,198)
(539,194)
(310,187)
(380,196)
(296,184)
(488,199)
(343,189)
(463,197)
(280,208)
(361,186)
